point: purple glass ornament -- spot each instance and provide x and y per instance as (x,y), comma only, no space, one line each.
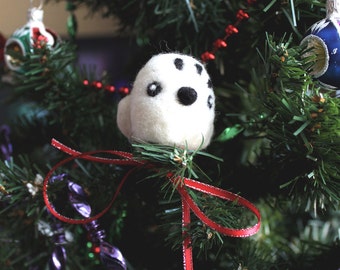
(58,258)
(77,198)
(96,235)
(59,177)
(76,190)
(5,143)
(59,234)
(110,256)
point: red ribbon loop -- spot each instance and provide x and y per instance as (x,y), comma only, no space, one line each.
(225,195)
(127,160)
(188,204)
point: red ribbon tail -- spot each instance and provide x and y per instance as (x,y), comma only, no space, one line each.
(187,248)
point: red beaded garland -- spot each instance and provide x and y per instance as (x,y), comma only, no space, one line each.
(207,56)
(241,15)
(231,29)
(220,43)
(109,88)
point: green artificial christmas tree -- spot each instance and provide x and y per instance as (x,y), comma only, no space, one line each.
(75,193)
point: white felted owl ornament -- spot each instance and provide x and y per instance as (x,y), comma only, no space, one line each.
(171,103)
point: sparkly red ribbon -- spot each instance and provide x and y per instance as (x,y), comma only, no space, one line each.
(188,204)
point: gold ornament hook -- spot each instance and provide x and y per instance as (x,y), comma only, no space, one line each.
(40,5)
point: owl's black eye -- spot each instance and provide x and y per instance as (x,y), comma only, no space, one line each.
(154,89)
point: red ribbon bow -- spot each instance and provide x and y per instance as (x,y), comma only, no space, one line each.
(188,204)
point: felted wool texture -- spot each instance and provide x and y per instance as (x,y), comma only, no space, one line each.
(162,118)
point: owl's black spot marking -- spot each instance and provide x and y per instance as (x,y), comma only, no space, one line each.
(210,84)
(154,89)
(199,68)
(210,101)
(179,63)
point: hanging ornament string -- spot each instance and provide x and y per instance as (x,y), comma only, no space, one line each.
(230,30)
(41,36)
(188,203)
(41,3)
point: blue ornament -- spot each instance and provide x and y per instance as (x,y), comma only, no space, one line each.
(323,41)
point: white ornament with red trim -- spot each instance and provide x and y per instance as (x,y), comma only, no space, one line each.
(32,35)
